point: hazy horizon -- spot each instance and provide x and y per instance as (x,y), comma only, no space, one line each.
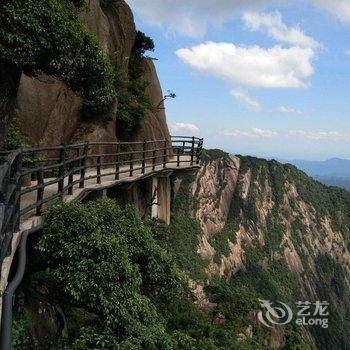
(279,158)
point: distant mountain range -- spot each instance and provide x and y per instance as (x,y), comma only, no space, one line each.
(334,181)
(332,172)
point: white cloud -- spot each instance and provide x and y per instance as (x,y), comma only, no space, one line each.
(275,67)
(319,135)
(289,110)
(276,29)
(186,127)
(192,18)
(338,8)
(332,136)
(242,97)
(254,132)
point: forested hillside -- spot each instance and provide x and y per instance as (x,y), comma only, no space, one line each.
(271,228)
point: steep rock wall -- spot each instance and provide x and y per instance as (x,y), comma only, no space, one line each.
(47,110)
(225,192)
(49,113)
(154,125)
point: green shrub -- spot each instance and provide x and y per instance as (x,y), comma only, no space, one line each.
(20,337)
(15,140)
(133,99)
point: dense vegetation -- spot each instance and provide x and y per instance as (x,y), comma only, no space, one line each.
(131,87)
(48,37)
(101,263)
(118,285)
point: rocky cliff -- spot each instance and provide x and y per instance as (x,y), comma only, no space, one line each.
(273,229)
(50,113)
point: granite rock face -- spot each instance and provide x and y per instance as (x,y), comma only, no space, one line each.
(49,113)
(154,125)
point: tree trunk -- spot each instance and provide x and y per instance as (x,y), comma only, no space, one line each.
(9,83)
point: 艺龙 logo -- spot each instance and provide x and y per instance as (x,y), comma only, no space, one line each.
(274,315)
(308,314)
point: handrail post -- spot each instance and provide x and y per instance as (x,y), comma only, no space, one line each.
(32,175)
(154,156)
(98,170)
(83,165)
(192,151)
(165,153)
(199,151)
(40,191)
(18,189)
(178,156)
(61,170)
(117,162)
(131,164)
(144,146)
(70,177)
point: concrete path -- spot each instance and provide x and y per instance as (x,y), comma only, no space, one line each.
(108,180)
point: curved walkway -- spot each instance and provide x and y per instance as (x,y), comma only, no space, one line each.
(32,178)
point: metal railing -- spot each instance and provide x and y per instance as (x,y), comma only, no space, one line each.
(27,171)
(10,192)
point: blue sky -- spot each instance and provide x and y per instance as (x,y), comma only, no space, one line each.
(265,78)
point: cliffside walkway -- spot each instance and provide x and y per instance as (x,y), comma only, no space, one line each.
(32,178)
